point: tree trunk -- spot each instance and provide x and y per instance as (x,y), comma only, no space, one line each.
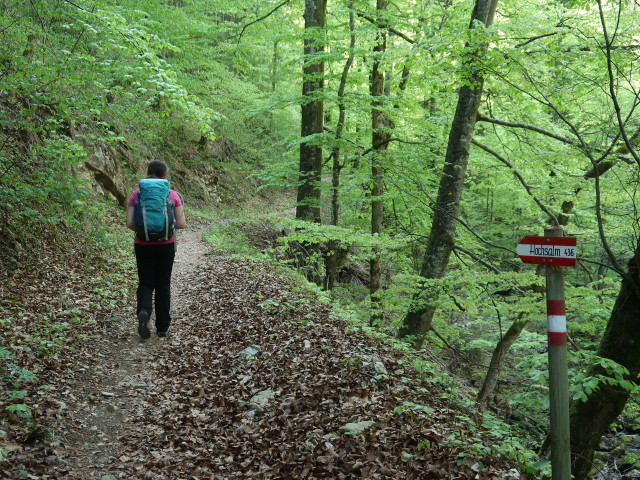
(310,171)
(441,238)
(379,143)
(332,257)
(620,343)
(499,353)
(275,65)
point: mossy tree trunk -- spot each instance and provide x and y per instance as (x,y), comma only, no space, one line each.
(417,321)
(379,144)
(499,353)
(335,251)
(310,170)
(620,343)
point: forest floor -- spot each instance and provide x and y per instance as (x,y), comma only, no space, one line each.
(311,398)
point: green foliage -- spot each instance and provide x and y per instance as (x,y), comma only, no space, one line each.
(240,236)
(12,379)
(411,407)
(72,81)
(595,371)
(217,85)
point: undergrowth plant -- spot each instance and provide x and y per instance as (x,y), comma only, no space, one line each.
(14,378)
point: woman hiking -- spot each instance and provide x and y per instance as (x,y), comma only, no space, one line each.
(154,212)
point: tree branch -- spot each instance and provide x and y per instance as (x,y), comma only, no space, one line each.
(520,178)
(406,38)
(533,39)
(247,25)
(477,258)
(602,165)
(612,85)
(76,5)
(568,141)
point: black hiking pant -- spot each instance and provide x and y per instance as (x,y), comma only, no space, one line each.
(155,263)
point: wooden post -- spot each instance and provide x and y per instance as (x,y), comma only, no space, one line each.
(558,369)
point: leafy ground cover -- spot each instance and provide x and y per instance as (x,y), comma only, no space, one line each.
(257,380)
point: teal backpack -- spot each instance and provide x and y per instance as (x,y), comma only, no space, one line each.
(153,211)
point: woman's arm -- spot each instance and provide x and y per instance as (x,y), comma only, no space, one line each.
(180,219)
(130,223)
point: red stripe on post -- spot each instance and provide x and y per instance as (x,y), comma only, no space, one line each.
(551,261)
(556,307)
(557,339)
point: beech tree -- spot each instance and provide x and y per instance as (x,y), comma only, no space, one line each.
(310,172)
(441,238)
(379,144)
(590,419)
(335,252)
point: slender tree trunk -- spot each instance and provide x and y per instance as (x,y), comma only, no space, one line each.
(312,112)
(332,259)
(379,141)
(621,343)
(441,238)
(499,353)
(275,62)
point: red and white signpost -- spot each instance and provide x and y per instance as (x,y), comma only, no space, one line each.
(548,250)
(555,251)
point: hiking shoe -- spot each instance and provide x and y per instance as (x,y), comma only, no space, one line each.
(143,328)
(162,334)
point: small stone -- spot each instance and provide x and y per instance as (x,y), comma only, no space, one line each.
(254,407)
(380,369)
(373,365)
(358,427)
(251,351)
(307,446)
(306,344)
(607,444)
(262,398)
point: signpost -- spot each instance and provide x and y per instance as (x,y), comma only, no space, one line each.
(555,251)
(548,250)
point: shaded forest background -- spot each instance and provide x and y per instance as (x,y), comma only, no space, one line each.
(348,195)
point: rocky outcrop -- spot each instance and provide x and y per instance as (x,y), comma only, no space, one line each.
(203,176)
(103,167)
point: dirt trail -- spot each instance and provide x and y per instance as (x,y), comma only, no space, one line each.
(103,396)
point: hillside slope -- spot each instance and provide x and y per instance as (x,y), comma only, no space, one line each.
(310,401)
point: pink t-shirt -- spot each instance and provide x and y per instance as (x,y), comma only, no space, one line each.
(177,202)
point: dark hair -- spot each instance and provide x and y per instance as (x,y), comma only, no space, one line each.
(157,169)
